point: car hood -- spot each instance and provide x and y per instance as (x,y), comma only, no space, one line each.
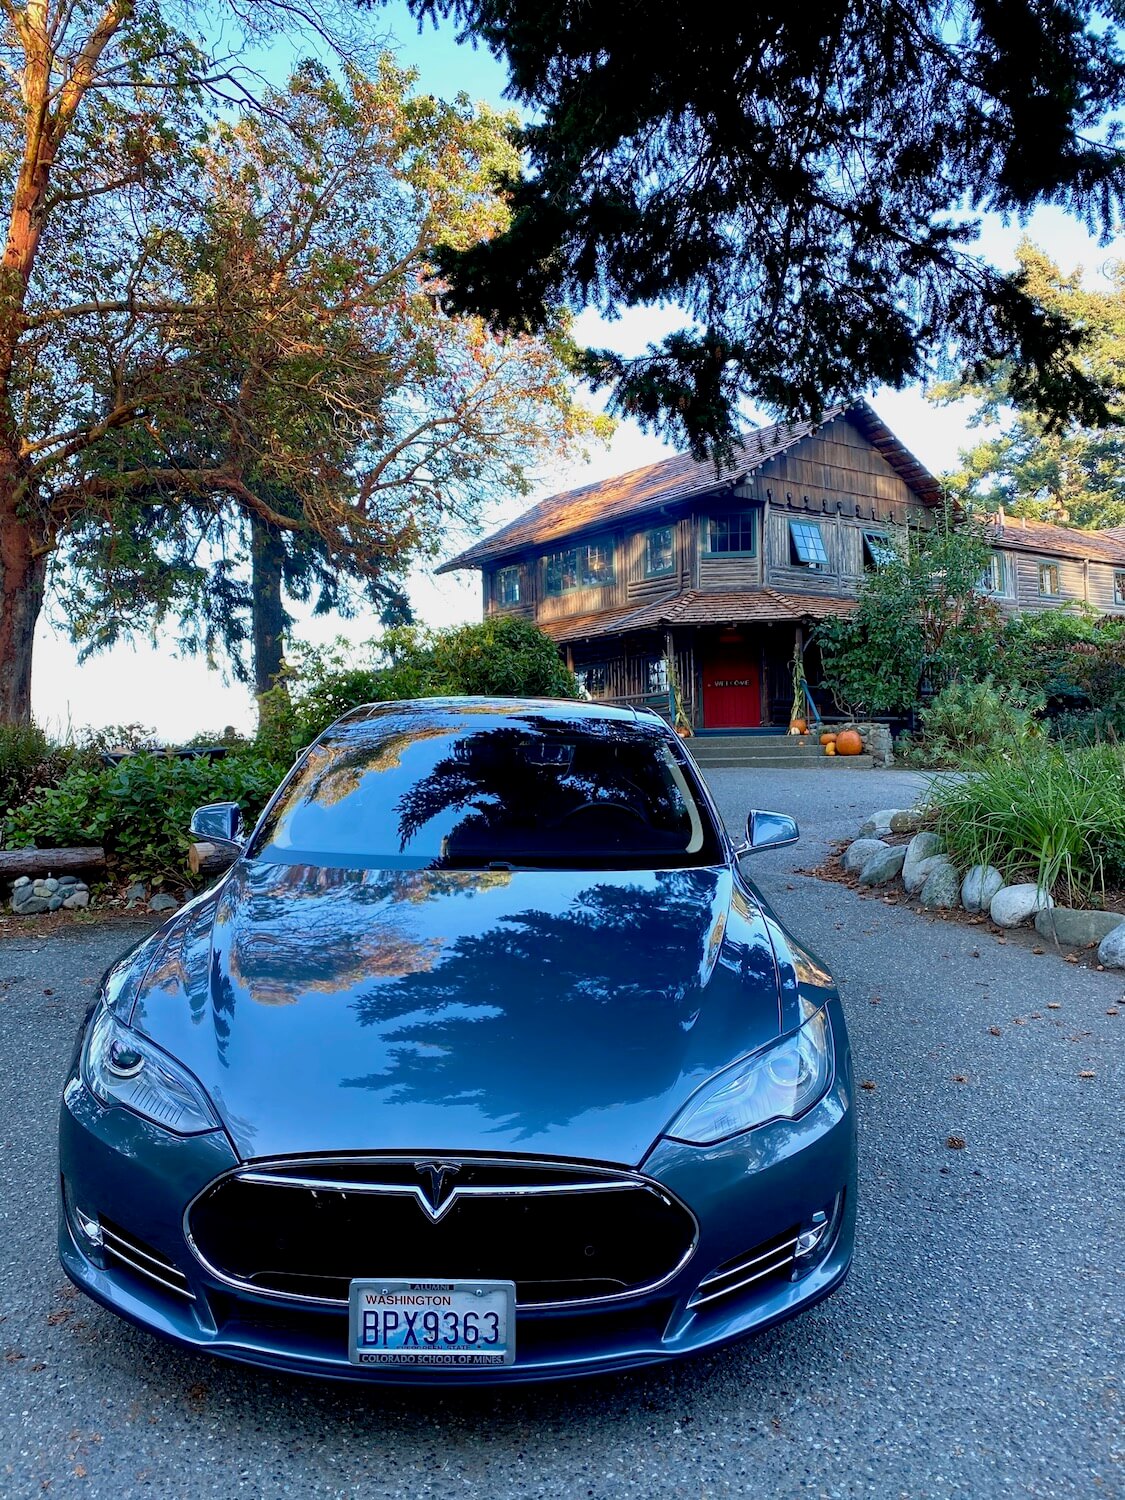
(567,1014)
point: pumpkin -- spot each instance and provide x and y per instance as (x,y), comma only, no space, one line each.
(848,742)
(828,737)
(830,748)
(798,726)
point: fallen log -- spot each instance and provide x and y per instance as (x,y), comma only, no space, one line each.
(210,859)
(16,862)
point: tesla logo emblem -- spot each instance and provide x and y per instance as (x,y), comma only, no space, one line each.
(435,1194)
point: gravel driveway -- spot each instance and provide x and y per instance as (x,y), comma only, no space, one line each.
(975,1351)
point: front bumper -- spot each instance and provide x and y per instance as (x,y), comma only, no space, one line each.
(744,1193)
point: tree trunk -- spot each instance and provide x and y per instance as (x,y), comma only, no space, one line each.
(22,575)
(268,615)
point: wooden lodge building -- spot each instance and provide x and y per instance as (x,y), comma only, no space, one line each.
(726,574)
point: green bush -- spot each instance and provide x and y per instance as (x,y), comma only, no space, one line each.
(140,809)
(28,760)
(969,721)
(501,657)
(1046,813)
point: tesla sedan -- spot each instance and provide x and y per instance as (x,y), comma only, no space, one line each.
(483,1061)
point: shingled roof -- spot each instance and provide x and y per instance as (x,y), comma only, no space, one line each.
(698,607)
(1026,535)
(682,478)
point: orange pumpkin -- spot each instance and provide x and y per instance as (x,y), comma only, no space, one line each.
(830,748)
(798,726)
(848,742)
(828,737)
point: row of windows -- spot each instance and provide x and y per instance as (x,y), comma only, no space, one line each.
(593,678)
(591,565)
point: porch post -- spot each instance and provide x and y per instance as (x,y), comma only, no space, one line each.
(670,654)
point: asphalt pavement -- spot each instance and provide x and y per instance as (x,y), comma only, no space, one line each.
(975,1351)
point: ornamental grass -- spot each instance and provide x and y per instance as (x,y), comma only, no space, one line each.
(1041,812)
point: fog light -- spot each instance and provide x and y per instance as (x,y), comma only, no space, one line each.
(87,1225)
(815,1239)
(810,1238)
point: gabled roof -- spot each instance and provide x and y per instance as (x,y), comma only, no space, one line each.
(1023,534)
(679,479)
(697,607)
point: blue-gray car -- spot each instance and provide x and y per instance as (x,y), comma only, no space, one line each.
(483,1061)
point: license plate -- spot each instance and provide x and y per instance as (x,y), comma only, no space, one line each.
(443,1324)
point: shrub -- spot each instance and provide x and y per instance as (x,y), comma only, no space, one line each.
(140,809)
(970,721)
(1045,813)
(501,657)
(28,760)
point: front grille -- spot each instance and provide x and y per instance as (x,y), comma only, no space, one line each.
(562,1234)
(126,1250)
(770,1260)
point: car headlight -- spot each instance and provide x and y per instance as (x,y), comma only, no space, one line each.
(119,1066)
(781,1083)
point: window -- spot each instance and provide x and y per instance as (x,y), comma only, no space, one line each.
(589,566)
(592,679)
(994,578)
(1049,579)
(508,586)
(1119,588)
(735,532)
(660,551)
(878,549)
(656,674)
(806,545)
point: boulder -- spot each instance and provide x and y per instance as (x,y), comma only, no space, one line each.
(1013,905)
(922,846)
(907,819)
(46,887)
(878,823)
(31,906)
(77,900)
(1076,928)
(22,880)
(882,867)
(860,852)
(941,889)
(163,902)
(979,886)
(1111,950)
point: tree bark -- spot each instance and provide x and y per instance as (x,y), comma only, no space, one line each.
(15,862)
(22,575)
(268,617)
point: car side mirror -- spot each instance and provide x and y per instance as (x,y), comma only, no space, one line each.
(219,823)
(768,830)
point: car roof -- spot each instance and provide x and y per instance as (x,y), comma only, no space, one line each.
(567,710)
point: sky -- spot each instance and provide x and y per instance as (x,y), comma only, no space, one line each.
(151,684)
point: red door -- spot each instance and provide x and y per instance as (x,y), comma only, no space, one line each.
(731,690)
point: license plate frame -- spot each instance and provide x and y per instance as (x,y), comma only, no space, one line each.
(371,1298)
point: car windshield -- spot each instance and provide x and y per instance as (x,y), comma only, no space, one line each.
(420,790)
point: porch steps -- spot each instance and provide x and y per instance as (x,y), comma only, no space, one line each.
(768,752)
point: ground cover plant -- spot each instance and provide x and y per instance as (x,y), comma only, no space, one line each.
(1043,812)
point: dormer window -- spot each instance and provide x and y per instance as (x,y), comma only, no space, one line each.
(660,551)
(878,549)
(734,533)
(508,586)
(806,545)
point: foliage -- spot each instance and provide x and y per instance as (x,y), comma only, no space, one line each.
(330,420)
(801,182)
(922,621)
(968,722)
(140,809)
(1067,473)
(1043,813)
(503,657)
(1073,659)
(28,760)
